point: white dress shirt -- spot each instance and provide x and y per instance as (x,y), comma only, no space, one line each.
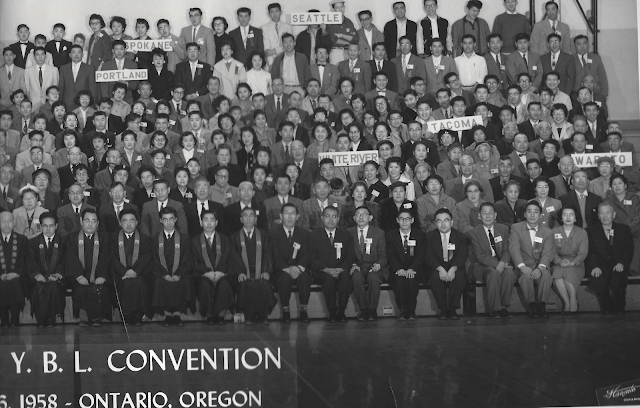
(472,70)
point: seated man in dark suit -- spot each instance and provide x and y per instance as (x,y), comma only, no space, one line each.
(609,260)
(291,261)
(331,259)
(211,254)
(505,174)
(233,211)
(114,123)
(446,254)
(586,203)
(193,211)
(491,261)
(370,265)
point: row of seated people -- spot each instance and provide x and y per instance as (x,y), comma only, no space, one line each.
(529,248)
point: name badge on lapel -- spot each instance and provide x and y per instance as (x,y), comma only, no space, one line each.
(188,195)
(172,122)
(167,156)
(451,247)
(228,195)
(200,66)
(375,193)
(153,195)
(338,246)
(143,124)
(154,100)
(590,147)
(502,67)
(551,209)
(10,200)
(626,202)
(407,205)
(356,70)
(409,66)
(250,35)
(368,242)
(149,112)
(589,61)
(497,239)
(537,240)
(411,243)
(558,236)
(86,193)
(200,41)
(440,67)
(296,247)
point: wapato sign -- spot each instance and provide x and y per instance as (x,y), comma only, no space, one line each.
(622,159)
(455,124)
(350,158)
(148,45)
(123,75)
(316,18)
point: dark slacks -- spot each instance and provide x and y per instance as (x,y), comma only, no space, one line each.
(47,300)
(255,298)
(613,284)
(214,298)
(367,299)
(94,299)
(406,291)
(448,300)
(329,285)
(284,283)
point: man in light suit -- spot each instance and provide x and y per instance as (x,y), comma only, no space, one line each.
(531,249)
(307,167)
(281,151)
(246,37)
(201,35)
(381,82)
(589,63)
(273,31)
(358,70)
(408,65)
(26,175)
(368,32)
(150,210)
(193,73)
(561,62)
(437,66)
(119,62)
(302,74)
(563,181)
(455,187)
(230,71)
(69,214)
(38,78)
(12,137)
(76,76)
(370,264)
(520,152)
(496,60)
(491,261)
(273,205)
(11,78)
(550,25)
(524,60)
(178,53)
(330,73)
(206,101)
(380,63)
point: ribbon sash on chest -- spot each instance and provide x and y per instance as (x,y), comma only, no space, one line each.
(14,255)
(245,257)
(205,255)
(176,253)
(96,252)
(51,265)
(136,248)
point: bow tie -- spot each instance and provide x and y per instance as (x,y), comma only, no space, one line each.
(321,65)
(521,154)
(532,229)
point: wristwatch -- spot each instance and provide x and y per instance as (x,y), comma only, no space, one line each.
(301,268)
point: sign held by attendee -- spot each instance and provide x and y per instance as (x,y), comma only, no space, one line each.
(316,18)
(342,159)
(455,124)
(148,45)
(122,75)
(622,159)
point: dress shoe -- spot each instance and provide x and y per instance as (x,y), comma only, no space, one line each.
(341,316)
(304,317)
(248,322)
(495,315)
(453,315)
(412,316)
(286,316)
(95,323)
(373,315)
(443,315)
(83,324)
(211,320)
(542,310)
(362,316)
(402,316)
(533,312)
(221,321)
(505,313)
(333,318)
(265,322)
(167,321)
(177,321)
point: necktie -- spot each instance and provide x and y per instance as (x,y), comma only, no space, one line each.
(278,104)
(201,208)
(40,76)
(211,240)
(524,57)
(492,241)
(78,211)
(193,71)
(559,133)
(445,244)
(497,61)
(379,66)
(299,166)
(282,201)
(228,65)
(532,236)
(290,235)
(244,36)
(406,244)
(48,242)
(584,63)
(361,241)
(351,64)
(92,42)
(6,240)
(118,209)
(194,35)
(553,27)
(286,153)
(277,32)
(4,193)
(553,61)
(404,63)
(446,114)
(330,237)
(25,128)
(313,104)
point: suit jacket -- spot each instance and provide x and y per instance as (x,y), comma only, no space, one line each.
(109,221)
(114,125)
(481,247)
(303,42)
(435,79)
(85,80)
(455,189)
(388,68)
(9,203)
(102,51)
(218,264)
(178,54)
(7,87)
(283,249)
(199,82)
(229,78)
(396,257)
(141,266)
(560,186)
(447,170)
(273,206)
(73,267)
(35,92)
(35,266)
(312,215)
(270,108)
(106,88)
(366,49)
(232,214)
(541,31)
(595,67)
(565,65)
(361,75)
(522,251)
(392,97)
(161,84)
(238,265)
(457,257)
(324,255)
(377,251)
(61,57)
(68,221)
(26,176)
(590,208)
(193,219)
(404,78)
(329,80)
(498,70)
(302,68)
(255,42)
(388,213)
(184,263)
(527,128)
(391,37)
(21,59)
(516,65)
(206,41)
(604,254)
(518,168)
(150,218)
(509,216)
(496,187)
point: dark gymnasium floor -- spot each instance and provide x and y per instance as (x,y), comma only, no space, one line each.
(473,362)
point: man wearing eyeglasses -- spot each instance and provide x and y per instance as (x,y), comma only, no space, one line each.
(88,266)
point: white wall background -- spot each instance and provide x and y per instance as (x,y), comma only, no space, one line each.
(617,19)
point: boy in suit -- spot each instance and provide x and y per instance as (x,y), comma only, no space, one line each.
(331,258)
(446,255)
(59,48)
